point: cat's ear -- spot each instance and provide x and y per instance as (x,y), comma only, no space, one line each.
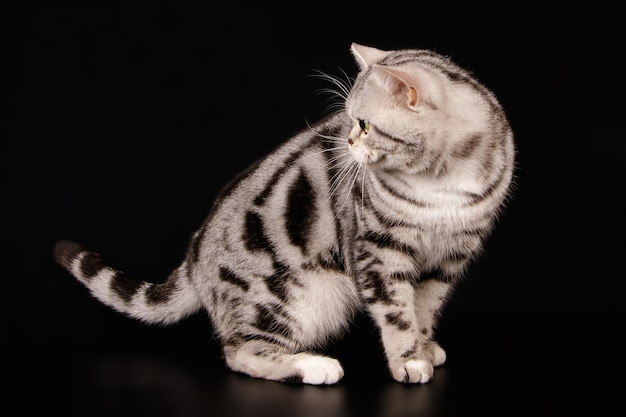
(366,56)
(398,83)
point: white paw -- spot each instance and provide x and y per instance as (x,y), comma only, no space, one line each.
(414,371)
(435,353)
(319,370)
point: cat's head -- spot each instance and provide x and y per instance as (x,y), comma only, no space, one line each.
(412,110)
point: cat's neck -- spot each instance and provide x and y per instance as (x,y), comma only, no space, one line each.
(452,187)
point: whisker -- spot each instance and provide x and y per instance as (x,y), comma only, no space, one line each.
(363,187)
(338,92)
(341,173)
(325,150)
(345,155)
(350,185)
(338,178)
(343,86)
(347,169)
(332,138)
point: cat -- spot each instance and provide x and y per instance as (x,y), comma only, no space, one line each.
(378,208)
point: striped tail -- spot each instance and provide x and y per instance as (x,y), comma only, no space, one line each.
(162,303)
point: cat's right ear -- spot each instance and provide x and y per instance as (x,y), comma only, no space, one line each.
(366,56)
(398,83)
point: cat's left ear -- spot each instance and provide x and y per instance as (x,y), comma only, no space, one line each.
(398,83)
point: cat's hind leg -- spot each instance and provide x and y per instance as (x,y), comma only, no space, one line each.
(268,331)
(263,359)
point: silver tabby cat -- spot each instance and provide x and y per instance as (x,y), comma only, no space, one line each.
(378,208)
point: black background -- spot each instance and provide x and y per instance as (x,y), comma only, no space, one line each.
(123,120)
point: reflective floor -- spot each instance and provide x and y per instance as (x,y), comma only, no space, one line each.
(125,369)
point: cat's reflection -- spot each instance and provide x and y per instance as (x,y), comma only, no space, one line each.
(151,384)
(252,397)
(402,400)
(258,398)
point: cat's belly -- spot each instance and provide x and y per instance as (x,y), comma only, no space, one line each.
(323,305)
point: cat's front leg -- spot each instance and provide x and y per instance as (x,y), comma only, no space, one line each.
(391,303)
(430,296)
(406,315)
(404,346)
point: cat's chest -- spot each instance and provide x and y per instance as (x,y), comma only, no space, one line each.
(431,240)
(429,237)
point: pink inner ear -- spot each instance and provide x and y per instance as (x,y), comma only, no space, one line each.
(398,83)
(412,96)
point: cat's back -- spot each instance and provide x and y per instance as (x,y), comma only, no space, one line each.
(306,153)
(279,202)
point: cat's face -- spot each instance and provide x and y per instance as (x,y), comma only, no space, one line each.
(394,121)
(406,115)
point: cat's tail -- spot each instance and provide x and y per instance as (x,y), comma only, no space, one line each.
(164,303)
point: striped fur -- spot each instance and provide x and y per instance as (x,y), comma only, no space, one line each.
(379,207)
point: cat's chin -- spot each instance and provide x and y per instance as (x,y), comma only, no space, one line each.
(364,155)
(360,154)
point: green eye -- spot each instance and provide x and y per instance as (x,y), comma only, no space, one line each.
(365,126)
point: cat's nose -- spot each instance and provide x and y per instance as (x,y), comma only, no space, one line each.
(353,137)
